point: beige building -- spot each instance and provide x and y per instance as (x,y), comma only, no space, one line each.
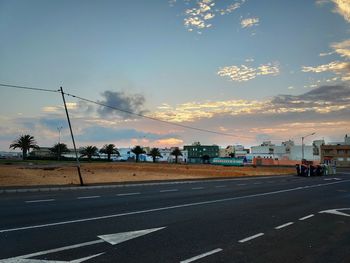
(337,153)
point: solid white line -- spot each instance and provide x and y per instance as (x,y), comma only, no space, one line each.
(306,217)
(220,186)
(201,256)
(126,194)
(197,188)
(36,254)
(171,207)
(88,197)
(38,201)
(250,238)
(168,190)
(284,225)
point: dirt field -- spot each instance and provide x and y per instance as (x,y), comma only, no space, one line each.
(94,173)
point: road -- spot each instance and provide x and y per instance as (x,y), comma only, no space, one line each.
(267,219)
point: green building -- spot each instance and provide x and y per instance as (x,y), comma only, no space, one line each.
(201,153)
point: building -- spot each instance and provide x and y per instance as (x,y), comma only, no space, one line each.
(198,153)
(42,152)
(337,153)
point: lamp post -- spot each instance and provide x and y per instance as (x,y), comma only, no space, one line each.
(302,144)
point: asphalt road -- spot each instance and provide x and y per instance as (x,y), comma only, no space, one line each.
(269,219)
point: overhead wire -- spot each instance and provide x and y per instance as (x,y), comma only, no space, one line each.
(133,113)
(27,88)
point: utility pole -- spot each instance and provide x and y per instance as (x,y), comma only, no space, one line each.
(59,141)
(71,133)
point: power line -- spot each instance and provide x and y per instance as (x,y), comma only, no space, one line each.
(27,88)
(133,113)
(156,119)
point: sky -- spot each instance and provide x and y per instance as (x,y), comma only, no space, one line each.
(248,70)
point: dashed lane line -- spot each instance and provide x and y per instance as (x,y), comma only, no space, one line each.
(39,201)
(168,190)
(306,217)
(284,225)
(88,197)
(220,186)
(250,238)
(197,188)
(208,202)
(127,194)
(241,184)
(202,255)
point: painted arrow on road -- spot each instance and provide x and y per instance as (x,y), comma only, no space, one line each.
(112,239)
(336,211)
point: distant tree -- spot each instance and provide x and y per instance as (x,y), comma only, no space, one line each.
(58,149)
(137,150)
(154,153)
(25,143)
(89,151)
(109,149)
(176,152)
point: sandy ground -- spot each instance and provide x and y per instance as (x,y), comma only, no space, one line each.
(94,173)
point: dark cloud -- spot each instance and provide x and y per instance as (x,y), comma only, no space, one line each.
(126,102)
(324,95)
(96,133)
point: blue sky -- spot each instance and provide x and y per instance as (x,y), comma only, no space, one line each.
(218,65)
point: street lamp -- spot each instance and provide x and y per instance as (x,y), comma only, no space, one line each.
(302,144)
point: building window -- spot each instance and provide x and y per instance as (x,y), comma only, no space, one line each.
(340,159)
(341,152)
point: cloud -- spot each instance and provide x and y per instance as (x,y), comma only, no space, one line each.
(102,134)
(342,48)
(120,100)
(336,67)
(229,9)
(249,22)
(342,7)
(245,73)
(200,16)
(322,100)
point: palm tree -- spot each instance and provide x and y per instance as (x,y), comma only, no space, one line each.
(89,151)
(176,152)
(59,148)
(154,153)
(137,150)
(25,143)
(109,149)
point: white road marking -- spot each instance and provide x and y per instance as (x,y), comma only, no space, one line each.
(197,188)
(257,183)
(168,190)
(38,201)
(172,207)
(201,256)
(250,238)
(284,225)
(113,239)
(241,184)
(270,182)
(25,260)
(306,217)
(126,194)
(220,186)
(88,197)
(336,211)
